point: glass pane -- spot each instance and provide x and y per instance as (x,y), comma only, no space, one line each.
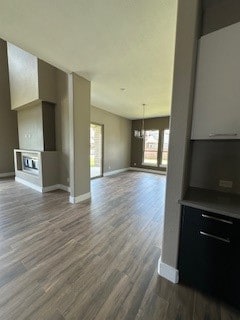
(150,147)
(95,150)
(165,147)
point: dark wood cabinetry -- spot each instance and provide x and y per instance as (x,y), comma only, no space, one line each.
(209,254)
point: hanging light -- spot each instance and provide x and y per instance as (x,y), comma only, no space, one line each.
(140,133)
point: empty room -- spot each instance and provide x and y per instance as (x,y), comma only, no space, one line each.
(119,160)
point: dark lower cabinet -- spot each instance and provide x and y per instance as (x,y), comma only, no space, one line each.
(209,254)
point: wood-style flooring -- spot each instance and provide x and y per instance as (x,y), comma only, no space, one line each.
(96,260)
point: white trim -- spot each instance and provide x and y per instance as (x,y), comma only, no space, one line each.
(168,272)
(29,184)
(50,188)
(110,173)
(80,198)
(56,187)
(148,170)
(7,174)
(42,189)
(64,188)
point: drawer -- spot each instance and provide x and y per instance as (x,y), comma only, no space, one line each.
(206,263)
(210,223)
(209,257)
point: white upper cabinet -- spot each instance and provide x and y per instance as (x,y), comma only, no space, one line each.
(216,110)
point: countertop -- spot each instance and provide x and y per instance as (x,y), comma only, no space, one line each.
(218,202)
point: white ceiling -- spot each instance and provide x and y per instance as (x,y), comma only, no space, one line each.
(114,43)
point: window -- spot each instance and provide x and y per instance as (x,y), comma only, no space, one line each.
(96,156)
(150,147)
(155,148)
(165,144)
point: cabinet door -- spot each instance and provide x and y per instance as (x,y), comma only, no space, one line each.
(208,254)
(216,110)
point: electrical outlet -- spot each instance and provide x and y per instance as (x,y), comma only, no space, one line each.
(134,163)
(225,184)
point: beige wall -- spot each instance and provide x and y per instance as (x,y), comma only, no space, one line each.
(188,29)
(79,130)
(117,139)
(62,126)
(30,128)
(23,74)
(47,81)
(8,118)
(31,79)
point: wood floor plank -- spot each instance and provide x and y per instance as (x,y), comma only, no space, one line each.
(91,261)
(206,309)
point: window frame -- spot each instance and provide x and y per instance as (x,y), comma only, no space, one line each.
(159,151)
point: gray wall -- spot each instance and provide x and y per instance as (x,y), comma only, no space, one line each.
(30,128)
(79,129)
(160,124)
(23,74)
(47,81)
(36,127)
(219,14)
(117,139)
(62,126)
(188,29)
(31,79)
(213,161)
(8,118)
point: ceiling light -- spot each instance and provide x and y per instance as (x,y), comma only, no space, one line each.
(140,133)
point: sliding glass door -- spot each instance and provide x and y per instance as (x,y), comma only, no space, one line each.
(96,150)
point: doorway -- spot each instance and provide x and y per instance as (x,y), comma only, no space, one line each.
(96,150)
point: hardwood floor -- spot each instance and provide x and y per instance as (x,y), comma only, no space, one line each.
(96,260)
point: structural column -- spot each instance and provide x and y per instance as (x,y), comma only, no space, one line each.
(79,117)
(188,23)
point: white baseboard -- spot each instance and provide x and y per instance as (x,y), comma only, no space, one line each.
(110,173)
(64,188)
(80,198)
(29,184)
(147,170)
(56,187)
(42,189)
(168,272)
(50,188)
(7,174)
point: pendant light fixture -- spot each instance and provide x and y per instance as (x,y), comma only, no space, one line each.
(140,133)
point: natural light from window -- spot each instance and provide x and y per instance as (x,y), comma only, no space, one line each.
(150,150)
(164,161)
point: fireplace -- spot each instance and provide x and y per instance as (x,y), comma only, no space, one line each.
(37,169)
(30,164)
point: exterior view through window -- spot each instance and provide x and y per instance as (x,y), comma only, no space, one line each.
(155,148)
(165,144)
(150,147)
(96,138)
